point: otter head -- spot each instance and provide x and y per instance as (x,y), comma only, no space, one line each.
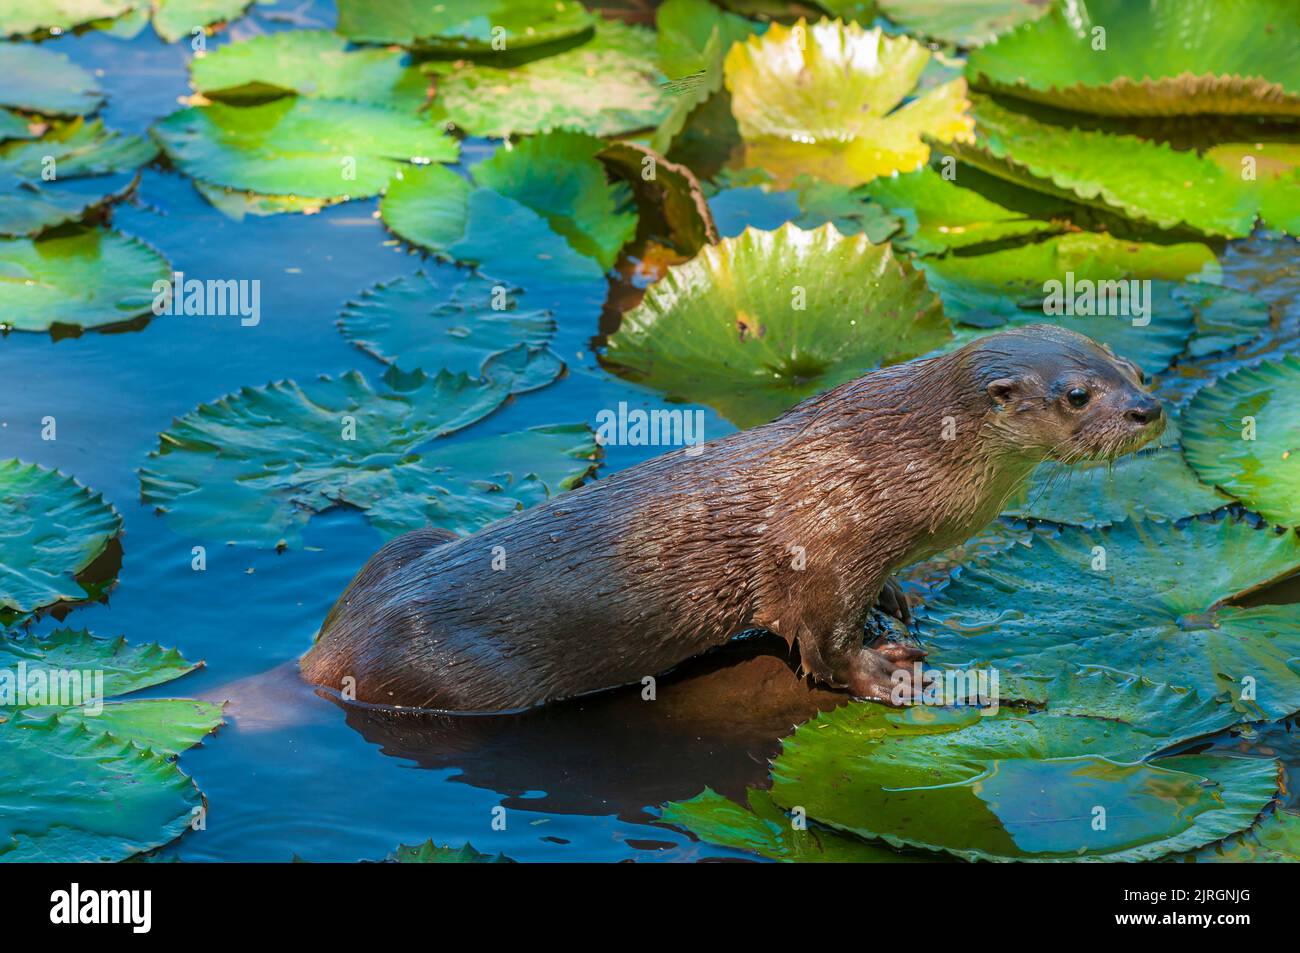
(1059,395)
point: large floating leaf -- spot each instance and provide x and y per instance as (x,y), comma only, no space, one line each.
(293,146)
(1171,57)
(442,211)
(37,79)
(21,17)
(174,19)
(685,27)
(821,100)
(763,828)
(254,466)
(14,126)
(86,795)
(70,151)
(1154,608)
(442,319)
(51,528)
(975,208)
(1145,181)
(430,853)
(961,22)
(88,278)
(1274,840)
(1256,460)
(1156,484)
(727,328)
(468,484)
(1270,173)
(1017,785)
(463,25)
(558,176)
(313,63)
(606,86)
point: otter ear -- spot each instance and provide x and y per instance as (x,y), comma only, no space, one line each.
(1004,390)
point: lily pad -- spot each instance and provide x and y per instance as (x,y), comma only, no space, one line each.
(1274,178)
(669,188)
(821,100)
(763,828)
(174,19)
(53,529)
(1017,785)
(1264,470)
(87,278)
(683,29)
(607,86)
(23,17)
(37,79)
(313,63)
(14,126)
(1156,607)
(95,777)
(430,853)
(254,466)
(468,26)
(443,212)
(1148,182)
(961,22)
(1156,484)
(442,319)
(466,485)
(973,209)
(727,328)
(558,176)
(294,146)
(1174,57)
(1274,840)
(71,151)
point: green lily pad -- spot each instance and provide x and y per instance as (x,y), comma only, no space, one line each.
(1274,170)
(294,146)
(725,328)
(443,318)
(1015,785)
(1263,472)
(699,98)
(1156,484)
(821,100)
(558,176)
(87,278)
(86,795)
(237,204)
(22,17)
(430,853)
(73,150)
(683,29)
(468,484)
(176,19)
(37,79)
(961,22)
(1175,57)
(1274,840)
(445,213)
(95,777)
(254,466)
(973,209)
(809,204)
(52,529)
(14,126)
(467,26)
(606,86)
(313,63)
(1145,181)
(763,828)
(1156,609)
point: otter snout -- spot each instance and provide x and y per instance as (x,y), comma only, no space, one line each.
(1146,411)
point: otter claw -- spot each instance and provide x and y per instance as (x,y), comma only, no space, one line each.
(900,653)
(893,601)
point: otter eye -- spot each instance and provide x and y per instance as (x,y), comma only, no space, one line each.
(1077,396)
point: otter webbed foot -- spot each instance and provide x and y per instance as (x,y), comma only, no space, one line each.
(885,674)
(893,601)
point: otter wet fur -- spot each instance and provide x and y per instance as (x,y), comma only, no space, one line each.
(794,526)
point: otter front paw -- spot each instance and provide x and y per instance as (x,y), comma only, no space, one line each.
(885,674)
(893,601)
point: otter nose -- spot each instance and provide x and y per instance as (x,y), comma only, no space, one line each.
(1145,413)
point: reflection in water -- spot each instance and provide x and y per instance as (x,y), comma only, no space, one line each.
(716,721)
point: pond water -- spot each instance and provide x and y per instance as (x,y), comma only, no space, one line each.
(293,773)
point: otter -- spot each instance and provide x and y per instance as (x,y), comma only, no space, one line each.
(795,527)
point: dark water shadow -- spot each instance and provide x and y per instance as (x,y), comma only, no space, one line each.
(716,721)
